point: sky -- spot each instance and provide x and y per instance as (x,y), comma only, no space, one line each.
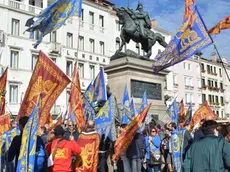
(169,15)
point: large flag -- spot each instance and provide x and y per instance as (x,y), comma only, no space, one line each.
(4,123)
(188,12)
(188,41)
(75,100)
(144,103)
(3,81)
(95,92)
(47,80)
(182,114)
(125,106)
(87,161)
(26,159)
(223,24)
(58,122)
(188,115)
(174,111)
(105,119)
(126,137)
(202,113)
(53,17)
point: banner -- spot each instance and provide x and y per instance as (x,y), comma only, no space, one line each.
(125,106)
(4,123)
(53,17)
(3,81)
(126,137)
(75,100)
(223,24)
(47,81)
(202,113)
(87,161)
(26,159)
(188,41)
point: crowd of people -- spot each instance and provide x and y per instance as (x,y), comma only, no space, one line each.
(151,150)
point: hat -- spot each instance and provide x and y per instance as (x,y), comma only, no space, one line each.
(139,5)
(59,131)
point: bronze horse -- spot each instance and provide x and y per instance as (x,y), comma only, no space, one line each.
(130,31)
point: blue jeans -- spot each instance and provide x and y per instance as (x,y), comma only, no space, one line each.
(126,164)
(136,165)
(151,168)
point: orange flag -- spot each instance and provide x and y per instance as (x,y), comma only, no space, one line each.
(3,81)
(223,24)
(188,12)
(58,122)
(203,112)
(4,123)
(182,114)
(50,121)
(126,137)
(75,100)
(48,81)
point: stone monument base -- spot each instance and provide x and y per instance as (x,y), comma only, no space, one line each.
(139,77)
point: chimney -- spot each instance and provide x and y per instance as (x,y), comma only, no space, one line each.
(154,22)
(213,55)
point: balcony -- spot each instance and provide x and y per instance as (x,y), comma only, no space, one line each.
(175,85)
(34,9)
(16,5)
(55,47)
(204,87)
(222,90)
(203,71)
(102,29)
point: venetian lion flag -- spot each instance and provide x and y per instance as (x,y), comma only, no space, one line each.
(188,12)
(126,137)
(182,114)
(188,41)
(48,81)
(223,24)
(87,161)
(4,123)
(75,100)
(58,122)
(26,159)
(53,17)
(202,113)
(3,81)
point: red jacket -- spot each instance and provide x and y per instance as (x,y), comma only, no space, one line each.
(62,159)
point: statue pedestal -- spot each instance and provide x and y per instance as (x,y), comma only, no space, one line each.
(138,75)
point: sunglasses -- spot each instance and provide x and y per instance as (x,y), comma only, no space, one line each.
(153,131)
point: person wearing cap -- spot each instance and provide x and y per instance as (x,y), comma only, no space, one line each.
(210,153)
(64,149)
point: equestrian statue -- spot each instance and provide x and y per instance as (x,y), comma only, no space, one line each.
(137,26)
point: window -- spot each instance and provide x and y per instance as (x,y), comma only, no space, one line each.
(203,82)
(69,68)
(217,100)
(81,70)
(14,59)
(15,27)
(213,99)
(34,61)
(189,98)
(220,72)
(138,49)
(102,48)
(214,68)
(54,59)
(69,40)
(222,100)
(202,67)
(13,94)
(221,85)
(67,97)
(53,36)
(199,98)
(216,86)
(118,27)
(208,69)
(83,56)
(91,18)
(203,98)
(101,21)
(210,99)
(189,67)
(35,35)
(92,71)
(209,83)
(117,43)
(199,83)
(92,48)
(188,81)
(97,58)
(81,42)
(217,113)
(174,79)
(82,14)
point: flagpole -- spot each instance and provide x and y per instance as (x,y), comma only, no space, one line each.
(221,61)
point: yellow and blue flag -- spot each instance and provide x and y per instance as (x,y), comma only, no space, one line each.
(53,17)
(188,115)
(105,119)
(95,92)
(125,106)
(188,41)
(26,159)
(174,111)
